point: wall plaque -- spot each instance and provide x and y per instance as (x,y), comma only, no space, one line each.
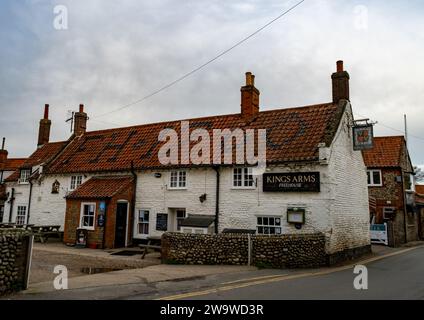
(291,182)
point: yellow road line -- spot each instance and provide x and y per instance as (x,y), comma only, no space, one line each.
(264,280)
(255,278)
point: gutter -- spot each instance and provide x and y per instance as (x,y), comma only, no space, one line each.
(216,168)
(29,200)
(12,198)
(133,199)
(404,208)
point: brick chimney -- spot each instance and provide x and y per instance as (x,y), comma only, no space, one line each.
(3,154)
(80,121)
(44,130)
(340,81)
(249,98)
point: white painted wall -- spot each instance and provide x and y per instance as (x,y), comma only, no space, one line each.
(340,210)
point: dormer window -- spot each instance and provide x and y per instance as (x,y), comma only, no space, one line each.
(75,182)
(24,175)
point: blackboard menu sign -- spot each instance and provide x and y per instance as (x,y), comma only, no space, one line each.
(81,239)
(291,182)
(162,222)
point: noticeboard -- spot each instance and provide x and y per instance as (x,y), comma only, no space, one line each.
(81,239)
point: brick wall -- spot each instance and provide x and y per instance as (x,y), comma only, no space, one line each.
(72,220)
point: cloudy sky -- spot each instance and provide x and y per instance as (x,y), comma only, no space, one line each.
(116,52)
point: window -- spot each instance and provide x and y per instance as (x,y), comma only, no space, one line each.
(87,216)
(268,225)
(194,230)
(75,182)
(21,215)
(374,178)
(1,212)
(181,215)
(143,222)
(242,178)
(178,180)
(24,175)
(389,213)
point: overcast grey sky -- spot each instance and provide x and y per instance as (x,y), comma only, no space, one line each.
(115,52)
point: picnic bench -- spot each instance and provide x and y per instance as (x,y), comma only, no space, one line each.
(152,243)
(12,225)
(43,233)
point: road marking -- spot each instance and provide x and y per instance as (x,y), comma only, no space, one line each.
(280,278)
(255,278)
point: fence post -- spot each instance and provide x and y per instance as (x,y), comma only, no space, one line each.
(249,250)
(28,260)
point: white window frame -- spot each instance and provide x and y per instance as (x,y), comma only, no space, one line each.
(243,181)
(19,215)
(23,178)
(269,225)
(82,216)
(74,184)
(179,181)
(138,222)
(195,230)
(371,175)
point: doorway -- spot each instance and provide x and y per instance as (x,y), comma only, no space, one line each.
(121,224)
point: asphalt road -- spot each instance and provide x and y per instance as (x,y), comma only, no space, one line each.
(396,277)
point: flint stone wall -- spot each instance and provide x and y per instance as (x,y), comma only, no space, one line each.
(285,251)
(14,244)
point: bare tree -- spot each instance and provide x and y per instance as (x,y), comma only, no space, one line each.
(419,174)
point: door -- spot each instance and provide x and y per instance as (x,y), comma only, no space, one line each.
(121,224)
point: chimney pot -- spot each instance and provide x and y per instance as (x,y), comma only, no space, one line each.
(249,80)
(340,66)
(80,121)
(46,111)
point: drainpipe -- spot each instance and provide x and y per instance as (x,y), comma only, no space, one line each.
(216,168)
(29,200)
(404,208)
(133,197)
(12,198)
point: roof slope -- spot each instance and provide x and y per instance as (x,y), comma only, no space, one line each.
(44,154)
(387,152)
(101,187)
(11,164)
(419,189)
(292,135)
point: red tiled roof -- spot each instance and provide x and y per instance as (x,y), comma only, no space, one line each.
(44,154)
(419,189)
(293,135)
(101,187)
(12,164)
(387,152)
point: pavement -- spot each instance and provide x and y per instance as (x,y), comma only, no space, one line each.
(192,281)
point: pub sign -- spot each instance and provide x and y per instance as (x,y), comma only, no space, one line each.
(362,137)
(291,182)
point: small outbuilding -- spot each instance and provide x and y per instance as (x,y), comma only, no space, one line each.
(102,206)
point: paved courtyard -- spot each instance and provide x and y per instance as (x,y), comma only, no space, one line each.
(79,261)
